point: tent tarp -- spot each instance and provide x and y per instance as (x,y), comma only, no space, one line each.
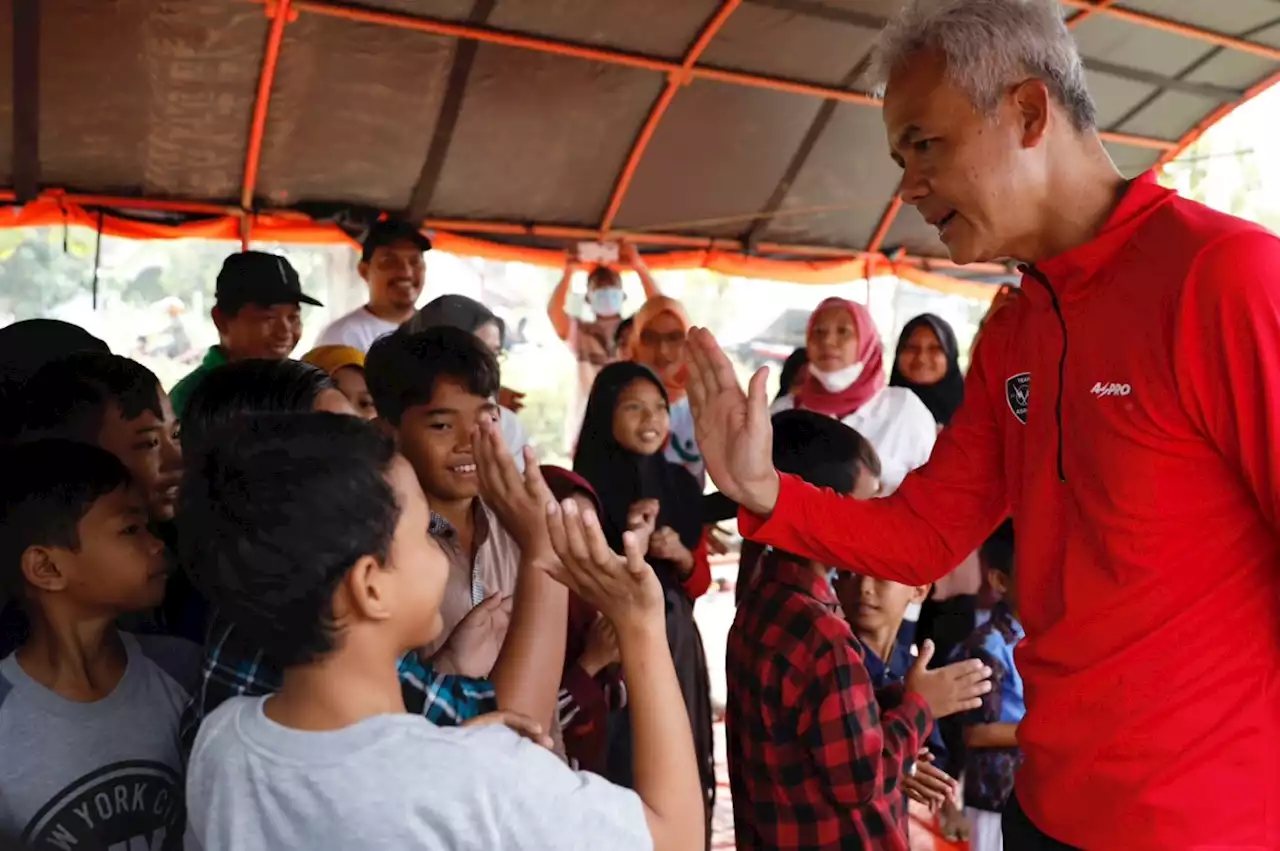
(722,126)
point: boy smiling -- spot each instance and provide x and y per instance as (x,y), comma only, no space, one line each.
(431,390)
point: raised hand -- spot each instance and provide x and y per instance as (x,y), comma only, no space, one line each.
(472,648)
(629,254)
(735,434)
(623,588)
(518,501)
(958,687)
(522,724)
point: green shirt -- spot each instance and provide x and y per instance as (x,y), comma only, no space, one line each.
(180,395)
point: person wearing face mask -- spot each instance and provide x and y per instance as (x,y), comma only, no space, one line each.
(594,342)
(845,380)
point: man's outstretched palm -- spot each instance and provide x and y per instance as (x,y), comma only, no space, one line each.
(735,435)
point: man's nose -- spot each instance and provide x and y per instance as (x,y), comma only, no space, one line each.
(914,188)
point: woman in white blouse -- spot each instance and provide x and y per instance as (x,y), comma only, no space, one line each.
(846,380)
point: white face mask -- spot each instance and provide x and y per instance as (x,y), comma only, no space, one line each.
(606,301)
(838,381)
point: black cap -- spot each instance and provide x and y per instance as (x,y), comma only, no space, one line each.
(255,277)
(389,232)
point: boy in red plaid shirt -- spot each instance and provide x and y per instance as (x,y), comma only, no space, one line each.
(813,761)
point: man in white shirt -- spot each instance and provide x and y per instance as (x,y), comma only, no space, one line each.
(392,264)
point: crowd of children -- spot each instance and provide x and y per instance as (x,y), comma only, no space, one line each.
(322,602)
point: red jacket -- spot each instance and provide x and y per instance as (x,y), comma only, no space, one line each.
(1126,410)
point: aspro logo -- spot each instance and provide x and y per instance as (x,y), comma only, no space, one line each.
(1103,389)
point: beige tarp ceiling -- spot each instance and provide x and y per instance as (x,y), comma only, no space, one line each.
(741,126)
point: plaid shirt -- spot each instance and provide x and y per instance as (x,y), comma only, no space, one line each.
(234,666)
(813,762)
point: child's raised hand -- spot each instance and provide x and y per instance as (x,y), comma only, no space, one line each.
(472,648)
(958,687)
(517,500)
(623,588)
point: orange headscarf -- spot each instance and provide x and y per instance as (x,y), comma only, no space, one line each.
(674,377)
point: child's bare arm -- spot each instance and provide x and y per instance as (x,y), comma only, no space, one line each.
(526,676)
(991,736)
(628,593)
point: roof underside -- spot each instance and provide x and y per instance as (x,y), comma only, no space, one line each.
(372,107)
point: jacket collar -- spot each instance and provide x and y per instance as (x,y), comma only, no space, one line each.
(1071,273)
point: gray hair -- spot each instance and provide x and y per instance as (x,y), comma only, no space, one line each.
(990,45)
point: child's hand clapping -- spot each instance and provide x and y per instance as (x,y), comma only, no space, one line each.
(623,588)
(958,687)
(665,544)
(928,784)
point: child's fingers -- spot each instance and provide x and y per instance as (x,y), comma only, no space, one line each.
(534,483)
(578,552)
(634,553)
(601,556)
(926,654)
(491,603)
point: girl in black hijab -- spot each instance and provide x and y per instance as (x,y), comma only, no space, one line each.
(620,452)
(928,362)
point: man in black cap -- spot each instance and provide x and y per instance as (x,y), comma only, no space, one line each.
(391,263)
(257,314)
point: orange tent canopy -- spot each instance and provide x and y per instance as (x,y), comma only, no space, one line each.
(732,134)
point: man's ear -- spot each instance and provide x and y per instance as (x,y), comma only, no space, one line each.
(219,318)
(1032,101)
(363,269)
(40,569)
(920,593)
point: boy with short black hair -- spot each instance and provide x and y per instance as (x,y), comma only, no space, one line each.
(813,759)
(257,311)
(991,731)
(88,714)
(315,546)
(115,403)
(431,389)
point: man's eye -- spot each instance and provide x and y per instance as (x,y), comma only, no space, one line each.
(923,145)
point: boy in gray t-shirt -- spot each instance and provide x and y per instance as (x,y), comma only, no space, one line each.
(88,715)
(312,542)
